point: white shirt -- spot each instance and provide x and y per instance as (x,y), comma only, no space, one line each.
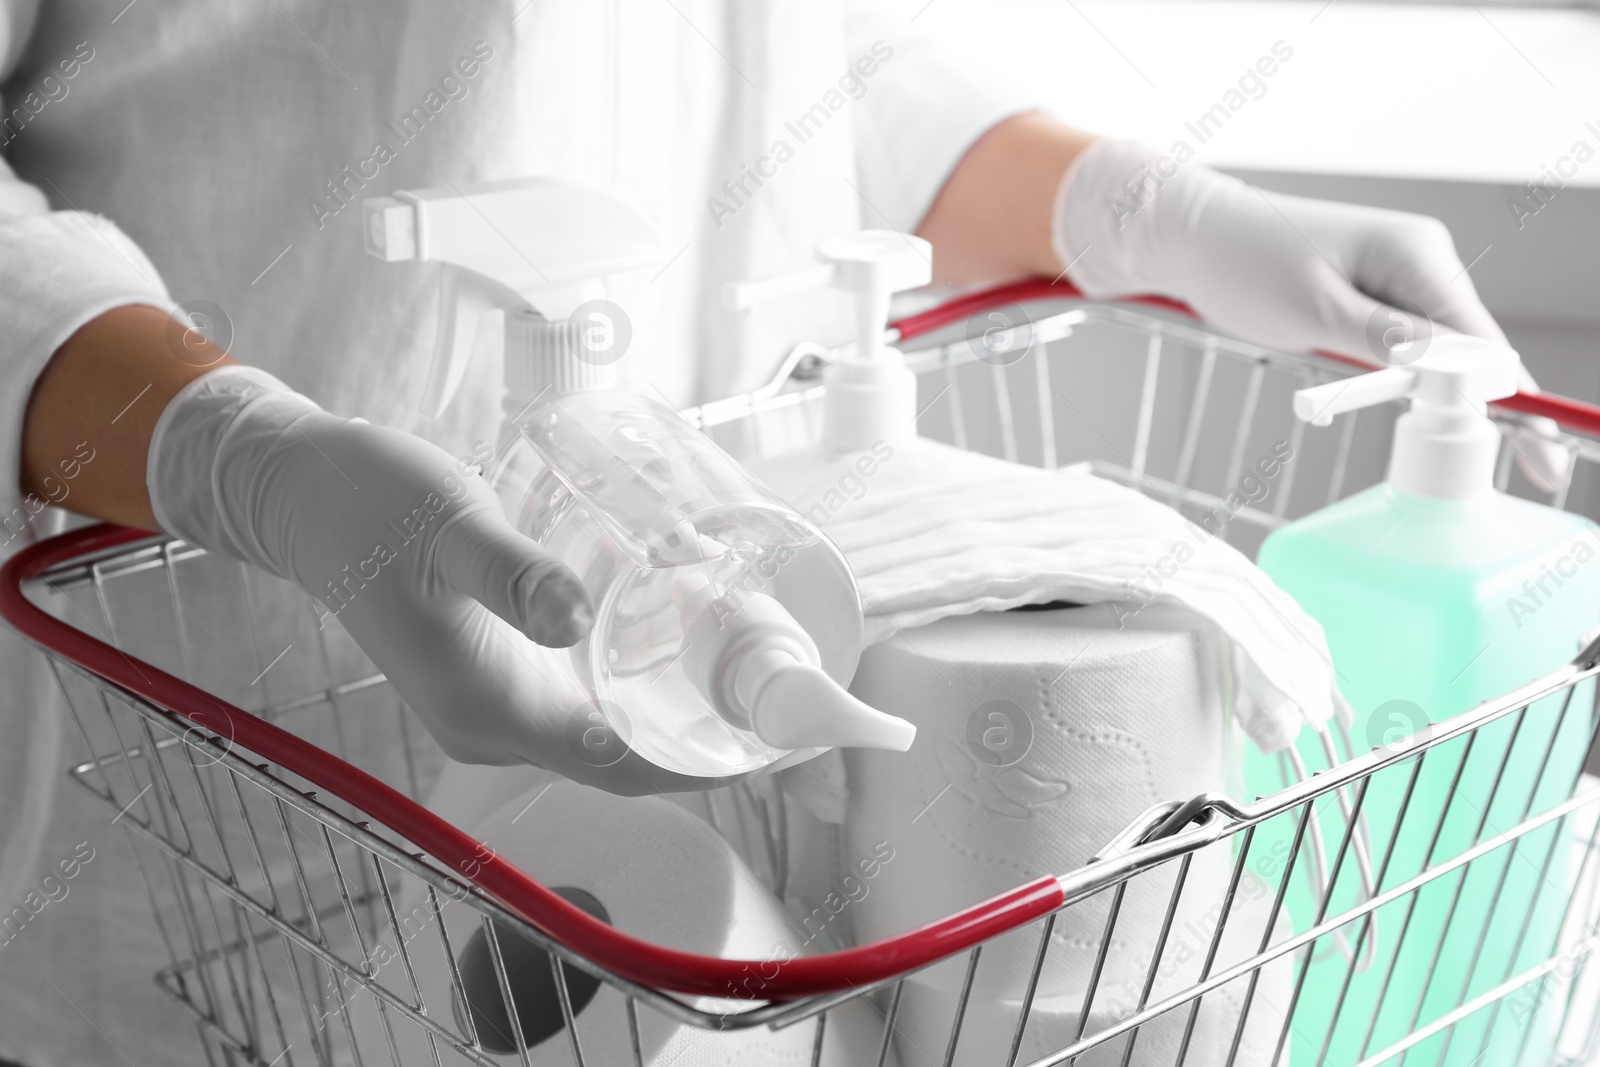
(229,143)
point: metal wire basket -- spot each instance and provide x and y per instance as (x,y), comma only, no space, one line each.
(299,887)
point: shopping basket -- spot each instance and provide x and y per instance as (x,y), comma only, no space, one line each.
(274,861)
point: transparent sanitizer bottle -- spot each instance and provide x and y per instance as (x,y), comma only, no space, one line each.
(726,626)
(1438,592)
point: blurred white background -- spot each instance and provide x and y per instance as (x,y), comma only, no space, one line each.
(1444,108)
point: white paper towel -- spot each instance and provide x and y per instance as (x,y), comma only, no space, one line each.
(932,531)
(660,874)
(1040,735)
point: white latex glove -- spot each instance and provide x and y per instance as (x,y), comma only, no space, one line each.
(1283,271)
(1541,455)
(412,554)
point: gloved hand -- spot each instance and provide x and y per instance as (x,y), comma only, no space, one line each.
(1283,271)
(410,552)
(1541,455)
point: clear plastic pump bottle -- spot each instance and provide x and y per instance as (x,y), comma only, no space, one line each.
(726,626)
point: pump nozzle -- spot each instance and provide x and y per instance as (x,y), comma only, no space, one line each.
(796,705)
(1319,404)
(870,396)
(760,670)
(1445,445)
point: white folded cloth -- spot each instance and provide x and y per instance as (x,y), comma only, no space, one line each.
(934,531)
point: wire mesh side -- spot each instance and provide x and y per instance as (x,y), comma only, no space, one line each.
(287,925)
(1191,418)
(1221,949)
(291,931)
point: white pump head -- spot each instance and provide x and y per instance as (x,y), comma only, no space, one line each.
(871,395)
(762,673)
(1445,446)
(533,249)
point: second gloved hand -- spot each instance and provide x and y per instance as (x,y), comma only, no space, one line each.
(1286,272)
(412,554)
(1283,271)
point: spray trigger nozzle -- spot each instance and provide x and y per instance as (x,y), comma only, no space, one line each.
(523,254)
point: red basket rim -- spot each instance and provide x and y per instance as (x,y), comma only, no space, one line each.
(630,958)
(1574,415)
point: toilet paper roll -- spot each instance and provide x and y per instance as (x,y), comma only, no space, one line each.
(988,1028)
(928,1008)
(1040,735)
(648,868)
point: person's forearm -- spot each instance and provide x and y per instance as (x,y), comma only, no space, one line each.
(993,218)
(103,390)
(107,385)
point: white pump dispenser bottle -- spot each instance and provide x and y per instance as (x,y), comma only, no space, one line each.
(870,395)
(1444,447)
(1438,591)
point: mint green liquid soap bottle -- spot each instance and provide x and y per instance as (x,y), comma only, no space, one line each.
(1437,592)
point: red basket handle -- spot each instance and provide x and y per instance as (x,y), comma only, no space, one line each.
(637,961)
(1573,415)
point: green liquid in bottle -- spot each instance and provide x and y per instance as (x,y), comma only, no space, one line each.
(1432,606)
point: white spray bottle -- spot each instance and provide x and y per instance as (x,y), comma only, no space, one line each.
(726,626)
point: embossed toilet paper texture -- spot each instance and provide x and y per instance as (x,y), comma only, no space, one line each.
(1120,719)
(1116,719)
